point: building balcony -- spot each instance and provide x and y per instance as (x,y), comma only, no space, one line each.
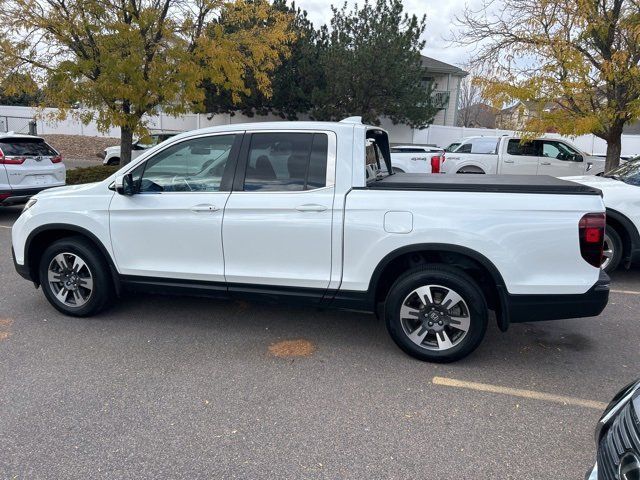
(440,98)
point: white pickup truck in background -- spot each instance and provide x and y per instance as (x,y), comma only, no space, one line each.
(509,155)
(310,212)
(416,158)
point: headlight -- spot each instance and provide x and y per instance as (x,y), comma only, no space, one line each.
(30,203)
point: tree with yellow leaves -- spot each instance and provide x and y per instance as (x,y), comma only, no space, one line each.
(126,58)
(582,56)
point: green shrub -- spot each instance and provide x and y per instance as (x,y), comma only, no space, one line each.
(76,176)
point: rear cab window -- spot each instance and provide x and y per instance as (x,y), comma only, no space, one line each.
(377,155)
(407,150)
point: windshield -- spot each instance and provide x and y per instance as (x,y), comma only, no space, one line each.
(628,172)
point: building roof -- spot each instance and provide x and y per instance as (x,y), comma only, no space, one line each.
(436,66)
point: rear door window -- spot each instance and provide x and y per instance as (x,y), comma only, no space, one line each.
(26,147)
(283,161)
(518,148)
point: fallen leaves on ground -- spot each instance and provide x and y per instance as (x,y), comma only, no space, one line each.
(292,348)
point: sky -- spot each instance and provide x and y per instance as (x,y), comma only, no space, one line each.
(440,24)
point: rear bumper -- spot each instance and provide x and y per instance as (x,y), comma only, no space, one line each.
(20,196)
(533,308)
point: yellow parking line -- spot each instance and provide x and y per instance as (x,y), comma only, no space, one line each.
(516,392)
(627,292)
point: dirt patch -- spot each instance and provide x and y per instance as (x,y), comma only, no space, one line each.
(292,348)
(5,322)
(80,146)
(5,328)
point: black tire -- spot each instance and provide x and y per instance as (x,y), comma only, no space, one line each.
(451,278)
(613,242)
(101,293)
(397,170)
(113,161)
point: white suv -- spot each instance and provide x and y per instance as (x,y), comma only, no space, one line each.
(27,165)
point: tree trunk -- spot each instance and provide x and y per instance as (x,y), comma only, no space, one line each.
(126,142)
(614,148)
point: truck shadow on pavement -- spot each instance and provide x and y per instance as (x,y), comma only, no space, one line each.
(252,327)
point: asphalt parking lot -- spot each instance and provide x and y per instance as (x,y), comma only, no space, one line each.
(162,387)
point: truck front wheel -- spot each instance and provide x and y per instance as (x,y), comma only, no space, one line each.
(75,277)
(436,313)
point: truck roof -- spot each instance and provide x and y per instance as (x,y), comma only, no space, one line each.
(284,125)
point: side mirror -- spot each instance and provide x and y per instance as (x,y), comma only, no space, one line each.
(124,184)
(578,158)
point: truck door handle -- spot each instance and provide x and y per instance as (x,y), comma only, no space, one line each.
(545,163)
(204,207)
(508,161)
(311,207)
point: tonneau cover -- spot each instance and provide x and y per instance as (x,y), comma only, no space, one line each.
(482,183)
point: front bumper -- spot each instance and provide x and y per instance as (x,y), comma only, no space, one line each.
(20,196)
(533,308)
(23,270)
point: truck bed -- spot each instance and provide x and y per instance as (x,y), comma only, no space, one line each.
(538,184)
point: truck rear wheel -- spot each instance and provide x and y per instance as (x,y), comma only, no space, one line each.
(471,170)
(436,313)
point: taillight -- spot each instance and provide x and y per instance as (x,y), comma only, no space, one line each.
(435,164)
(12,160)
(4,196)
(7,160)
(591,233)
(56,159)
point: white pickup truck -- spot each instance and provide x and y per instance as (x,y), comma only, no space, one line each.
(416,158)
(308,212)
(509,155)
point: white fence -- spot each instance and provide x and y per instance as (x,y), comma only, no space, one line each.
(16,118)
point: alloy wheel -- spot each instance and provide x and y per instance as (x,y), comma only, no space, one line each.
(608,252)
(435,317)
(70,279)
